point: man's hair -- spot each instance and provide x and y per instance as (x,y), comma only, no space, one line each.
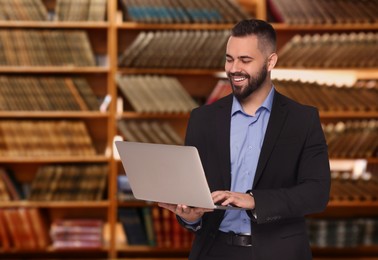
(264,32)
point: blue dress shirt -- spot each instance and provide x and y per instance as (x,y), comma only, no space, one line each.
(246,140)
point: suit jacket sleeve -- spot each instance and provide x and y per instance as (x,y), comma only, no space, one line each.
(305,155)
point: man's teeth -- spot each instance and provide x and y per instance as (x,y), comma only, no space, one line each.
(239,79)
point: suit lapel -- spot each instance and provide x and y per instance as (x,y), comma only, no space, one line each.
(223,125)
(276,120)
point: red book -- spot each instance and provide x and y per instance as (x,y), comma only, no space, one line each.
(5,241)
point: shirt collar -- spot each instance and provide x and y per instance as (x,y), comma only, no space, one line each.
(267,104)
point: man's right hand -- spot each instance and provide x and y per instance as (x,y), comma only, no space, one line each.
(187,213)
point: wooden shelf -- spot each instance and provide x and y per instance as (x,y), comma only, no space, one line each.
(55,159)
(324,27)
(54,114)
(171,26)
(56,204)
(348,114)
(191,72)
(53,69)
(135,115)
(54,24)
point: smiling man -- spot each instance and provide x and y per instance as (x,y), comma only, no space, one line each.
(261,151)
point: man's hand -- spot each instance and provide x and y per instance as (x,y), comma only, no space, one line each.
(237,199)
(187,213)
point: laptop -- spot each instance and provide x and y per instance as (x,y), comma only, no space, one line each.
(166,173)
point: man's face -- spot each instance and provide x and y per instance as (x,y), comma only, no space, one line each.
(246,66)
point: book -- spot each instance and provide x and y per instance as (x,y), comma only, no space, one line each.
(97,10)
(133,226)
(77,233)
(39,227)
(5,239)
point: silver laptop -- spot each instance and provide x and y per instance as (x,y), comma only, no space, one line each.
(166,173)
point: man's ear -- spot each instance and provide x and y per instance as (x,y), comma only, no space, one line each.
(272,60)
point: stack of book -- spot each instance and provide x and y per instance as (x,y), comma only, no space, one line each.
(65,10)
(153,226)
(341,233)
(346,187)
(352,50)
(149,131)
(45,138)
(352,139)
(323,11)
(80,10)
(23,10)
(155,94)
(358,98)
(69,182)
(31,93)
(183,49)
(45,48)
(77,233)
(22,229)
(183,11)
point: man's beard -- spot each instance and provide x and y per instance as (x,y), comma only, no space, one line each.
(254,83)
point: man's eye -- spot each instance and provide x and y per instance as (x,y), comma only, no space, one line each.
(246,61)
(228,60)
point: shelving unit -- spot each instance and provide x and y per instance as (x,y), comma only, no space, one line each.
(108,39)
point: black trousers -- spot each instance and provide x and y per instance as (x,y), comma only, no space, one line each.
(221,249)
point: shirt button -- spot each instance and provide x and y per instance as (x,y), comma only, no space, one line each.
(250,147)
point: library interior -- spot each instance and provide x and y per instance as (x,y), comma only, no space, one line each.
(133,70)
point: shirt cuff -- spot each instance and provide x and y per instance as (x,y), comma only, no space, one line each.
(196,225)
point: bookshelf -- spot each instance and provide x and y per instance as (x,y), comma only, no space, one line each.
(108,39)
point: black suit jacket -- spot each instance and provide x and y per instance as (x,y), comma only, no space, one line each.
(292,176)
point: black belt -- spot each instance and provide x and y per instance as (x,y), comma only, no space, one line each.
(233,239)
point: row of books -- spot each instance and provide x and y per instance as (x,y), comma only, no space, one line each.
(77,233)
(69,182)
(183,11)
(149,131)
(346,50)
(352,138)
(23,10)
(323,11)
(45,138)
(362,96)
(153,226)
(46,93)
(65,10)
(22,228)
(22,47)
(155,94)
(176,49)
(346,187)
(80,10)
(341,233)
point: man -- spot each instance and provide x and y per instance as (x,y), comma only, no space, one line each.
(260,151)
